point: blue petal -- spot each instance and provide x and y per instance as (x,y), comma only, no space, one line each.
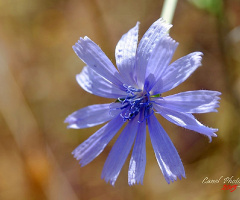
(199,101)
(94,57)
(146,46)
(159,61)
(119,152)
(97,85)
(125,54)
(138,160)
(96,143)
(186,120)
(90,116)
(177,72)
(165,152)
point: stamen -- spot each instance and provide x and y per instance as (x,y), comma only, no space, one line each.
(134,103)
(130,89)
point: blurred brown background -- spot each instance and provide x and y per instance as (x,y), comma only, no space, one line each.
(38,90)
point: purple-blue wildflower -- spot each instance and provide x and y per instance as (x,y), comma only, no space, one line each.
(144,74)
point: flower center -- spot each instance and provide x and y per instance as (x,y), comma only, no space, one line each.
(135,102)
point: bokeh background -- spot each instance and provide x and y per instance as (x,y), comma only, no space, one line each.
(38,90)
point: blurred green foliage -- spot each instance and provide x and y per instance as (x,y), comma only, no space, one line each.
(211,6)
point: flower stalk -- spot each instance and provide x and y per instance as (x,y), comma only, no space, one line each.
(168,10)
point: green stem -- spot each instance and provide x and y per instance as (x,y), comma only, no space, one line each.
(168,10)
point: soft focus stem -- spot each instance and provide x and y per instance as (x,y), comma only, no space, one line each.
(168,10)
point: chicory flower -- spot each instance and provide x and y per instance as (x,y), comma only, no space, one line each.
(143,74)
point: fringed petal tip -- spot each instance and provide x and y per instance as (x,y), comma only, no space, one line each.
(72,126)
(77,155)
(163,22)
(77,46)
(218,93)
(212,135)
(112,182)
(172,179)
(196,59)
(217,99)
(134,182)
(70,121)
(66,120)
